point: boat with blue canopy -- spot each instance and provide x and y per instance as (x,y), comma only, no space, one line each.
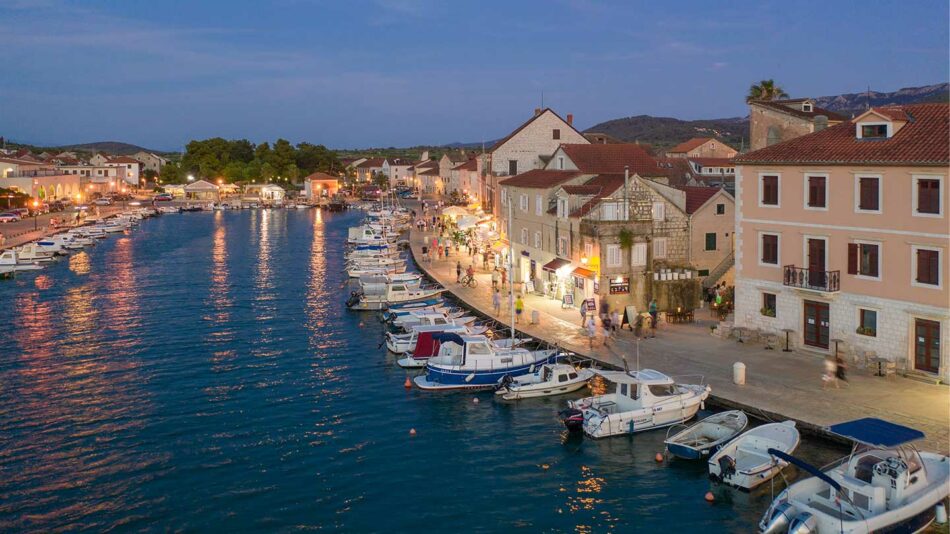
(884,485)
(474,362)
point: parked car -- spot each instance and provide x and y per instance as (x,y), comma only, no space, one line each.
(57,205)
(162,197)
(9,216)
(104,201)
(22,212)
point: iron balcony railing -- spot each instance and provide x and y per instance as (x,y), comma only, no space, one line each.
(826,281)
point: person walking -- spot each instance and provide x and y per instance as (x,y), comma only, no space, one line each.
(606,324)
(614,320)
(504,278)
(519,308)
(485,259)
(458,272)
(496,302)
(591,330)
(3,239)
(653,316)
(829,376)
(494,279)
(583,315)
(841,370)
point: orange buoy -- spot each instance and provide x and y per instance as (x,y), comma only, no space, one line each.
(408,384)
(710,497)
(412,431)
(545,466)
(659,457)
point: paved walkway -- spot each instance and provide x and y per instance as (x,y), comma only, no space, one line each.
(22,232)
(779,385)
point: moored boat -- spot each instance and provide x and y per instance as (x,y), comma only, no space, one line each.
(746,462)
(707,436)
(471,362)
(547,380)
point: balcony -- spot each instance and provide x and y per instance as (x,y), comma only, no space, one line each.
(824,281)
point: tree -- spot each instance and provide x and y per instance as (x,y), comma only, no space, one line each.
(381,180)
(765,90)
(234,171)
(267,172)
(172,174)
(150,175)
(291,173)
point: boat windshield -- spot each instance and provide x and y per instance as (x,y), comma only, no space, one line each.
(662,390)
(629,390)
(478,348)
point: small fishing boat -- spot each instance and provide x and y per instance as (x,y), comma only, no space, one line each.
(548,380)
(11,262)
(380,298)
(33,253)
(884,485)
(641,400)
(746,462)
(705,437)
(472,362)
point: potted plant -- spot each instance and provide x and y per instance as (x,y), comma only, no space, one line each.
(768,312)
(866,331)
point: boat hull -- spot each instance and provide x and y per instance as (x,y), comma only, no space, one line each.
(440,378)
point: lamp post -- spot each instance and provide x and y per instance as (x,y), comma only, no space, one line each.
(36,206)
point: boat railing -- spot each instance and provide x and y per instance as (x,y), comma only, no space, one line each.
(679,426)
(689,379)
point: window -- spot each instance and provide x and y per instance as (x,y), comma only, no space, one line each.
(560,162)
(562,208)
(817,192)
(927,266)
(768,249)
(768,188)
(864,259)
(710,241)
(588,250)
(556,133)
(613,255)
(807,107)
(562,246)
(872,131)
(867,322)
(659,211)
(659,247)
(524,236)
(768,305)
(927,196)
(512,167)
(538,205)
(720,209)
(523,202)
(638,255)
(869,198)
(537,240)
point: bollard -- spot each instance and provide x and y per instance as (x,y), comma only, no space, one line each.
(535,317)
(738,373)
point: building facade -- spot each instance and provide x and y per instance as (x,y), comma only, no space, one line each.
(702,147)
(775,121)
(843,234)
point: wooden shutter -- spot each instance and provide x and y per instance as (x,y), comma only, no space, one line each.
(853,258)
(872,260)
(928,196)
(927,267)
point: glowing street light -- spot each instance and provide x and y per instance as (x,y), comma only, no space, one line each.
(191,178)
(36,206)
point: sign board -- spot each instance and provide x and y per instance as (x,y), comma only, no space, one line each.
(590,304)
(629,317)
(567,300)
(529,286)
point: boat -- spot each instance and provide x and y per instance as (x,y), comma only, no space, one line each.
(11,262)
(641,400)
(371,297)
(55,244)
(419,340)
(412,318)
(33,253)
(705,437)
(359,272)
(471,362)
(549,379)
(884,485)
(746,462)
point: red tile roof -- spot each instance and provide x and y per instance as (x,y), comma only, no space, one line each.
(611,159)
(529,121)
(470,165)
(779,105)
(921,141)
(607,184)
(320,176)
(581,189)
(123,159)
(713,162)
(697,196)
(540,178)
(895,113)
(686,146)
(371,162)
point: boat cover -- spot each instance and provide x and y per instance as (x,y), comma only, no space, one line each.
(449,337)
(426,345)
(805,466)
(876,432)
(646,376)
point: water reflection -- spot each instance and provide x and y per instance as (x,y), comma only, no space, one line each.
(79,263)
(121,308)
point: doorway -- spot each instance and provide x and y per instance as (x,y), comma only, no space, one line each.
(816,263)
(817,323)
(927,345)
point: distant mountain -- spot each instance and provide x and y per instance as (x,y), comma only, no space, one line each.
(664,132)
(109,147)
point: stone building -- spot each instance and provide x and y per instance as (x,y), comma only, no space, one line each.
(775,121)
(702,147)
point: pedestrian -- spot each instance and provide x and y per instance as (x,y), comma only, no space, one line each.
(583,315)
(504,278)
(496,302)
(495,276)
(591,330)
(614,320)
(519,308)
(829,376)
(485,259)
(470,271)
(606,323)
(3,239)
(439,253)
(458,272)
(653,316)
(841,369)
(638,326)
(425,253)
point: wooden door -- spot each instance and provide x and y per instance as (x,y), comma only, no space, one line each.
(927,345)
(816,263)
(817,324)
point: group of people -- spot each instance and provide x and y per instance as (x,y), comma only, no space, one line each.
(836,372)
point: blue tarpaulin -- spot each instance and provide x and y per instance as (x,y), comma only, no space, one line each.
(876,432)
(448,337)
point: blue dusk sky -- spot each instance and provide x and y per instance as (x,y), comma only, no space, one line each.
(361,73)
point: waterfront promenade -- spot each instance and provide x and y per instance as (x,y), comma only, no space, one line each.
(779,384)
(22,232)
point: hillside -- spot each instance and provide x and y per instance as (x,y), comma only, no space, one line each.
(664,132)
(109,147)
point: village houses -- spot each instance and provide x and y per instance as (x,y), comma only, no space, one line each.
(150,161)
(842,238)
(775,121)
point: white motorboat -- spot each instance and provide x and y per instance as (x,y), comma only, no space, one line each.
(11,262)
(641,400)
(746,462)
(359,272)
(548,380)
(419,341)
(705,437)
(78,240)
(472,362)
(54,244)
(33,253)
(884,485)
(380,296)
(412,318)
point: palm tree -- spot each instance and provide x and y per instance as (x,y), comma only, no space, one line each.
(765,90)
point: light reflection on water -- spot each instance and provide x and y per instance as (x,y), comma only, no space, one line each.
(202,374)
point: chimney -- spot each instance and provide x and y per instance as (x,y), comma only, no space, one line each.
(821,122)
(570,119)
(537,111)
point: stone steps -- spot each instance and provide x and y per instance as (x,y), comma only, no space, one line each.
(925,378)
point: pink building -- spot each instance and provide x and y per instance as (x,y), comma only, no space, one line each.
(843,235)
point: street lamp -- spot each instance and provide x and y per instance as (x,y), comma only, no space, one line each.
(36,206)
(191,178)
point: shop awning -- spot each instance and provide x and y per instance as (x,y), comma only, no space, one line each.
(586,273)
(555,264)
(499,245)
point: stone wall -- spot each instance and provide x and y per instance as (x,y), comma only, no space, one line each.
(785,125)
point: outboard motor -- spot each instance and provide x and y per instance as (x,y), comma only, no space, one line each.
(573,419)
(354,299)
(804,523)
(504,382)
(778,519)
(727,467)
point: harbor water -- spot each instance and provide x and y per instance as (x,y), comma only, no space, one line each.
(202,373)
